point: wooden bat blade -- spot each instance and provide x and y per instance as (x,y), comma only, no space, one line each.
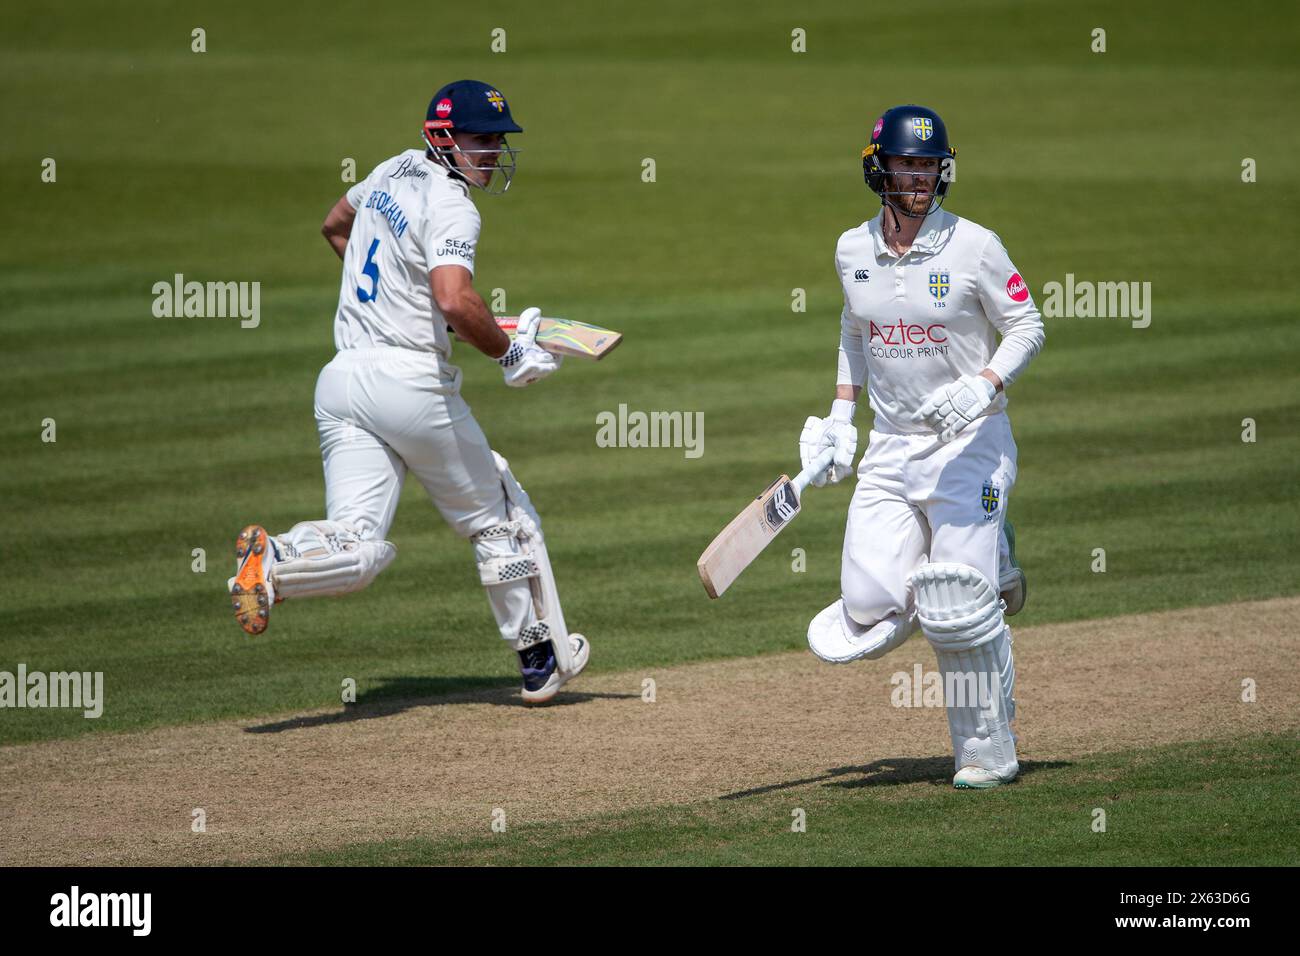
(565,337)
(745,537)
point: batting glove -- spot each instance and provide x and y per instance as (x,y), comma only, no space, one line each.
(952,407)
(836,431)
(525,362)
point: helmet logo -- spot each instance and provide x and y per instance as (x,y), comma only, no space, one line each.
(922,127)
(875,133)
(443,109)
(496,99)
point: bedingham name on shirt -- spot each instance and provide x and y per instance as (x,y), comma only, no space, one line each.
(387,207)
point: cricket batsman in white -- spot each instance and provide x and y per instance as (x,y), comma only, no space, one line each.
(937,323)
(389,402)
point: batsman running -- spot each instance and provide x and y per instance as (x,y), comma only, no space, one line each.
(937,323)
(389,402)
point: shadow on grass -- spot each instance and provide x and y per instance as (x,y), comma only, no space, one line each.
(891,771)
(396,695)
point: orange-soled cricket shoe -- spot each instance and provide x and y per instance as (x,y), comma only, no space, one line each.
(251,591)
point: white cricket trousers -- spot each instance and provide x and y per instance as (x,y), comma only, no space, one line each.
(383,411)
(918,501)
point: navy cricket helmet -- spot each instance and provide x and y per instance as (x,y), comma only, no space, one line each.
(908,131)
(470,106)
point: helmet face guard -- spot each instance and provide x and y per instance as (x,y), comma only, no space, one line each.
(909,131)
(500,164)
(472,106)
(885,183)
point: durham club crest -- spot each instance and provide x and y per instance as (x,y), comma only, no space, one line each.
(922,127)
(938,284)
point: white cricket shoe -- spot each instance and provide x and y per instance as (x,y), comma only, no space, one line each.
(542,677)
(977,778)
(251,591)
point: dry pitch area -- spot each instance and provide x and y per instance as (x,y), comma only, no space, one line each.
(439,766)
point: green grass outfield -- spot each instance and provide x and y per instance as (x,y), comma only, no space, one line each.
(173,433)
(1164,806)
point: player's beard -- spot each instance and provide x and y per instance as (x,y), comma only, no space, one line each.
(909,199)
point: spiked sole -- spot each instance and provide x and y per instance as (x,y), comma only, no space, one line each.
(248,595)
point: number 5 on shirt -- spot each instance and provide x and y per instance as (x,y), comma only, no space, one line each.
(370,270)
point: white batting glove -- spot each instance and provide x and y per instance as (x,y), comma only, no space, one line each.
(836,431)
(525,362)
(950,408)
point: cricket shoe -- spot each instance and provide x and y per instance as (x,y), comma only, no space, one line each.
(251,591)
(977,778)
(542,677)
(1013,586)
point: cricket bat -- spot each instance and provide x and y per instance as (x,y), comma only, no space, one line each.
(565,337)
(744,539)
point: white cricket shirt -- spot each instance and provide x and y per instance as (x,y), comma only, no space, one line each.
(913,324)
(412,216)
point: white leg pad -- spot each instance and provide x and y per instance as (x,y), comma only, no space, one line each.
(315,558)
(838,639)
(516,571)
(960,614)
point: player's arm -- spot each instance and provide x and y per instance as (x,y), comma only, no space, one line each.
(851,371)
(1004,296)
(837,430)
(1010,308)
(452,234)
(465,310)
(338,225)
(851,368)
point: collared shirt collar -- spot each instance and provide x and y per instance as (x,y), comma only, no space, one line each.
(930,237)
(454,178)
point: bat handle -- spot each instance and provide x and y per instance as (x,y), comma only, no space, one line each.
(818,465)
